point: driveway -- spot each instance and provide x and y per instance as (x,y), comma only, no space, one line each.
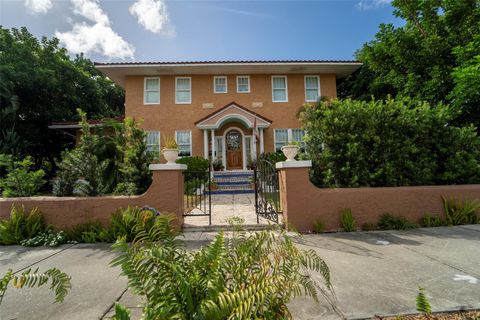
(373,273)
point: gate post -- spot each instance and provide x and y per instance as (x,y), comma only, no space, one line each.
(293,175)
(167,189)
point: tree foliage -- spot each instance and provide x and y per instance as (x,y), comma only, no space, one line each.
(250,276)
(46,85)
(389,142)
(432,57)
(19,180)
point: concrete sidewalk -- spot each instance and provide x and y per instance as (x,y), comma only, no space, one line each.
(373,273)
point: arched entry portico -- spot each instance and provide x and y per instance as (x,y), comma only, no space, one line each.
(233,134)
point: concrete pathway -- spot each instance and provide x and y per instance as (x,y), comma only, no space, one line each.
(373,273)
(226,206)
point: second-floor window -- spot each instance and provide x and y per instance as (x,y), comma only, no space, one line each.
(183,90)
(279,89)
(184,142)
(219,84)
(243,84)
(312,88)
(151,94)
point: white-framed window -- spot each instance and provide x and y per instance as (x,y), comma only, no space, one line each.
(184,142)
(283,136)
(220,84)
(183,90)
(151,90)
(312,88)
(243,84)
(279,89)
(152,140)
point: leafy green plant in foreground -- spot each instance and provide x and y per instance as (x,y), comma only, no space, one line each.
(60,282)
(348,223)
(21,226)
(423,305)
(461,212)
(251,275)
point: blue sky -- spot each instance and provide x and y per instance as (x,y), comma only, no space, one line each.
(159,30)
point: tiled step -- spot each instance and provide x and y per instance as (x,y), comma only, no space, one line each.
(218,191)
(233,182)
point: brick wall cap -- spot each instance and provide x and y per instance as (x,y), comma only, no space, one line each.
(293,164)
(162,166)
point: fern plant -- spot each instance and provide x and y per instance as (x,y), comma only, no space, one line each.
(389,222)
(461,212)
(21,226)
(347,221)
(429,220)
(59,282)
(423,305)
(251,275)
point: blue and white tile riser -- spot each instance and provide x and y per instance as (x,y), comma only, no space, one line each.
(233,182)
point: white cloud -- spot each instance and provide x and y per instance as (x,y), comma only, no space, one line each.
(153,16)
(38,6)
(98,37)
(364,5)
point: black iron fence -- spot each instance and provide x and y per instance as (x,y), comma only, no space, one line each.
(197,197)
(267,191)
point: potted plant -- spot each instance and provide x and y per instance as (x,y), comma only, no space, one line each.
(212,186)
(251,163)
(217,165)
(170,150)
(291,150)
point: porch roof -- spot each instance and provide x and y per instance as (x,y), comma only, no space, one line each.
(232,112)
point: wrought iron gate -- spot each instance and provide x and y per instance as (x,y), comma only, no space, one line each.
(267,192)
(197,197)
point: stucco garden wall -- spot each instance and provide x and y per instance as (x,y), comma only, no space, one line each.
(303,203)
(164,194)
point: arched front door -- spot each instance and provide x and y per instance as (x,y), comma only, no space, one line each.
(233,141)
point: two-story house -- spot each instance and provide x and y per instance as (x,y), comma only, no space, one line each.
(228,110)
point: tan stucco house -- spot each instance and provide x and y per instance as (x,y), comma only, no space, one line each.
(228,110)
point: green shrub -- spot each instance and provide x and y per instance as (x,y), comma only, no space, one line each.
(460,212)
(347,221)
(20,180)
(89,232)
(125,223)
(429,220)
(191,186)
(196,166)
(249,276)
(133,159)
(388,143)
(274,157)
(21,226)
(60,282)
(318,226)
(389,222)
(369,226)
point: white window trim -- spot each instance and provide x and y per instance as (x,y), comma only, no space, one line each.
(191,143)
(145,90)
(286,89)
(189,88)
(226,84)
(248,77)
(305,86)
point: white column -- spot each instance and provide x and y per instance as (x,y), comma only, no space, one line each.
(213,144)
(261,142)
(205,144)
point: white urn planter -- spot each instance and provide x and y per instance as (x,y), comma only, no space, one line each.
(290,151)
(170,155)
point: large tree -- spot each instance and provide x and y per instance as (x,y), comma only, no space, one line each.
(40,84)
(423,59)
